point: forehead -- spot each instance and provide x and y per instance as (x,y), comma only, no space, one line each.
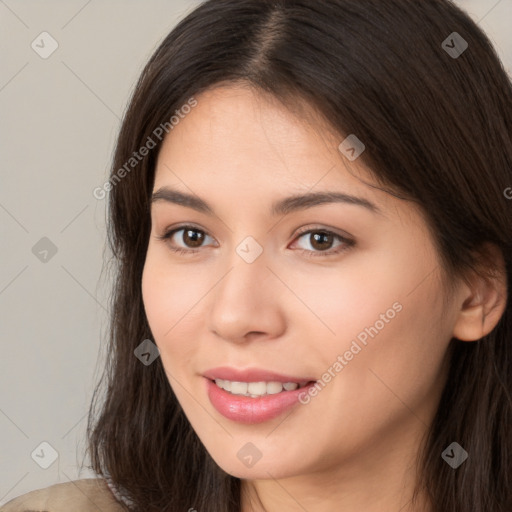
(242,136)
(243,153)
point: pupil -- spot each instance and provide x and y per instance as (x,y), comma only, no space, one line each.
(196,240)
(319,236)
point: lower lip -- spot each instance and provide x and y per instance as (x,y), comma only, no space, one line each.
(245,409)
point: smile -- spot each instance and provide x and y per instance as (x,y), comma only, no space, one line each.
(257,389)
(254,402)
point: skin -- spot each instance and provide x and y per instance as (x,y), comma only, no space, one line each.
(353,446)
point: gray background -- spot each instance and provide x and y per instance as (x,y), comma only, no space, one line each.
(59,120)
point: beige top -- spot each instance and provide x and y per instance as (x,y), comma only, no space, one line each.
(88,495)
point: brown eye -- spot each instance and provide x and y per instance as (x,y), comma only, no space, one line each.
(192,237)
(190,240)
(321,241)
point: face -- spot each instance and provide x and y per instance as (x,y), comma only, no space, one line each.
(342,297)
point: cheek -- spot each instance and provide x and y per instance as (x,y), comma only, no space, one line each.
(171,296)
(365,292)
(385,319)
(394,369)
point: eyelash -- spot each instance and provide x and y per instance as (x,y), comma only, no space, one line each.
(347,242)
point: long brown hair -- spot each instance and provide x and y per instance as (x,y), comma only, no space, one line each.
(437,127)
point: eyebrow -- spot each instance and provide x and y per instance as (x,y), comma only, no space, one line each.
(280,207)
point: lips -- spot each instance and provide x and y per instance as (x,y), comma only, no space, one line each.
(254,375)
(251,409)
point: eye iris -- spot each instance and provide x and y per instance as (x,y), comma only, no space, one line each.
(196,237)
(321,236)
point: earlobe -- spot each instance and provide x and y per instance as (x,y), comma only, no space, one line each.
(484,302)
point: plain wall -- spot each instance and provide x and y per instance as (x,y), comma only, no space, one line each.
(59,120)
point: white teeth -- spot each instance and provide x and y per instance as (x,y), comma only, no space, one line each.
(239,388)
(255,389)
(274,387)
(224,384)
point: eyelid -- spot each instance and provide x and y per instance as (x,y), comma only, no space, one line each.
(347,240)
(300,231)
(172,230)
(320,227)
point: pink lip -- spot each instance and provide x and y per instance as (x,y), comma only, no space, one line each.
(252,375)
(245,409)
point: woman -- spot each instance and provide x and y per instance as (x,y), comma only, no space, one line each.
(312,229)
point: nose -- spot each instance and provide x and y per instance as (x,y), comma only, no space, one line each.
(246,302)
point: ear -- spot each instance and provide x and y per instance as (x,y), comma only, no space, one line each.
(483,298)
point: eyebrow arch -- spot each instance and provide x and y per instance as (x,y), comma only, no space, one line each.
(280,207)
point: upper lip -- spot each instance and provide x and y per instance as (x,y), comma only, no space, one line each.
(253,375)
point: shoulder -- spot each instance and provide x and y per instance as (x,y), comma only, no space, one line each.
(88,495)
